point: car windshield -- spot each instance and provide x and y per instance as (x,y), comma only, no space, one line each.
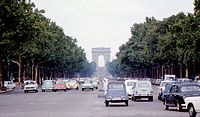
(130,83)
(88,82)
(191,88)
(116,86)
(116,92)
(72,81)
(59,82)
(144,84)
(48,82)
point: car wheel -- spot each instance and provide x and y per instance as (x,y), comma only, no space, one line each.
(126,103)
(82,89)
(134,99)
(178,107)
(107,103)
(36,90)
(191,111)
(65,90)
(54,90)
(166,107)
(25,91)
(92,89)
(77,88)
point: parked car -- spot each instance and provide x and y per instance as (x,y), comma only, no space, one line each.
(162,86)
(142,89)
(30,86)
(9,85)
(116,92)
(72,84)
(47,85)
(87,85)
(59,85)
(184,96)
(130,84)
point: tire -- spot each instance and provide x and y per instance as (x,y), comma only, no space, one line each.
(126,102)
(25,91)
(42,90)
(82,89)
(179,107)
(166,107)
(65,90)
(134,98)
(36,90)
(92,89)
(107,103)
(191,111)
(77,88)
(54,90)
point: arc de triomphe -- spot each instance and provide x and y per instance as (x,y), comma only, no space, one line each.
(105,52)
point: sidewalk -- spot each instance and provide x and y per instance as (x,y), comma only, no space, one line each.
(8,90)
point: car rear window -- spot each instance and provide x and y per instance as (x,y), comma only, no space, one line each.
(116,86)
(144,84)
(190,88)
(130,83)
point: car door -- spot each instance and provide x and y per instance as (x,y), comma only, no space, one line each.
(171,96)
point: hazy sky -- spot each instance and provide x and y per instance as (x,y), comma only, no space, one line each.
(106,23)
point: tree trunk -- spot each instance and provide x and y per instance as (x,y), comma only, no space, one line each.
(181,72)
(186,71)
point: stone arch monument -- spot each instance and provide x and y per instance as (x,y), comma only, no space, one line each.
(105,52)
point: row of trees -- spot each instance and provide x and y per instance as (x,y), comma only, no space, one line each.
(170,46)
(32,46)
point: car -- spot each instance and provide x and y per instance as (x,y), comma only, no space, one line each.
(129,84)
(9,85)
(30,86)
(59,85)
(87,85)
(142,89)
(116,93)
(72,84)
(167,88)
(184,96)
(162,86)
(95,84)
(47,85)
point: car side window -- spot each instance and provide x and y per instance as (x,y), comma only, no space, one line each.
(174,89)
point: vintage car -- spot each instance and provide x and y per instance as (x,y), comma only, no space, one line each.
(129,87)
(162,86)
(116,92)
(87,85)
(59,85)
(72,84)
(184,96)
(142,89)
(30,86)
(9,84)
(47,85)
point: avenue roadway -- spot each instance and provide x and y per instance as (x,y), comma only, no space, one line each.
(77,104)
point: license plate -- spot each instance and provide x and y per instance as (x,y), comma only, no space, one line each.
(116,99)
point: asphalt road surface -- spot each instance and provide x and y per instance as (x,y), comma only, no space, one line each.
(77,104)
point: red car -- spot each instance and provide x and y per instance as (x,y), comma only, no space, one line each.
(59,85)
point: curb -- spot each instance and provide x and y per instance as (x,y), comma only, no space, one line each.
(2,92)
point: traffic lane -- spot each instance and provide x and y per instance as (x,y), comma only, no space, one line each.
(77,104)
(48,104)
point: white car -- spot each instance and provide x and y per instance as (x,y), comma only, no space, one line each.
(142,89)
(130,84)
(87,85)
(47,85)
(9,85)
(161,87)
(30,86)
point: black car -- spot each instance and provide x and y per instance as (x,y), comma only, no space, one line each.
(115,93)
(178,93)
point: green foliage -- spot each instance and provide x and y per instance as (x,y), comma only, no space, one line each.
(25,30)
